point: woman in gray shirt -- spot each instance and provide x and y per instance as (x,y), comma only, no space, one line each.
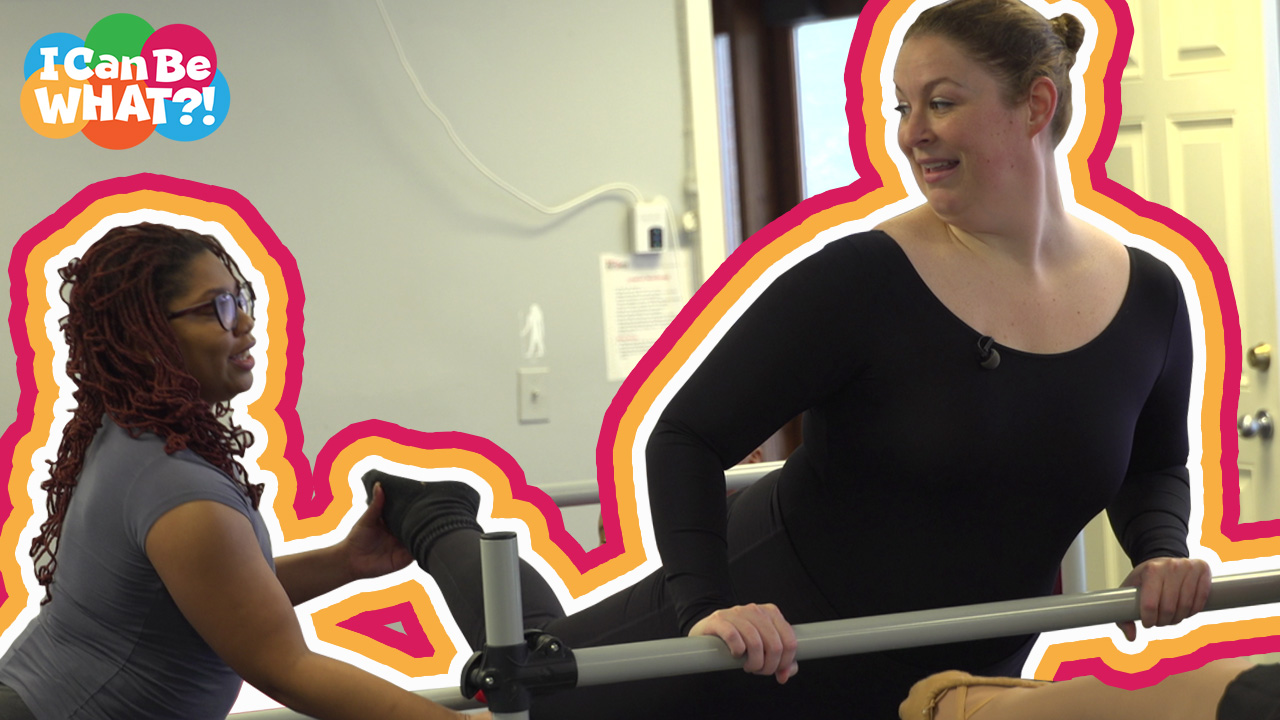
(161,589)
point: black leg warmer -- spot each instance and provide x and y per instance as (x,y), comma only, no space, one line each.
(419,513)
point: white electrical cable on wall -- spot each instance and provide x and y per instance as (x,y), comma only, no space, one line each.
(522,197)
(669,249)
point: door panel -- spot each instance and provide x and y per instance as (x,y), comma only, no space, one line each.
(1193,137)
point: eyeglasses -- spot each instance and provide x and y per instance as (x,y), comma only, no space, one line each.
(226,305)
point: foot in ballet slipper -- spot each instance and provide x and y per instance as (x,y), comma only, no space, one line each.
(419,513)
(922,702)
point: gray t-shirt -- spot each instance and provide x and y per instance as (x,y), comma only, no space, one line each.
(112,644)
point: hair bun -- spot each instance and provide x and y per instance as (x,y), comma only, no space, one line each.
(1070,29)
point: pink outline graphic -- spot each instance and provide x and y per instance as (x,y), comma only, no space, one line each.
(373,624)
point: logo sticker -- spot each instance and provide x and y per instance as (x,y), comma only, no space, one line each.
(123,81)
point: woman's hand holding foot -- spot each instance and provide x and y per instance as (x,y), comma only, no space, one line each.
(370,550)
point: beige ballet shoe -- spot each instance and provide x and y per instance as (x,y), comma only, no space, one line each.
(922,701)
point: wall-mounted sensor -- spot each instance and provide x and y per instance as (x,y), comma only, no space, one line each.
(651,227)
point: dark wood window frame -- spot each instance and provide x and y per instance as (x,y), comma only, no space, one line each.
(766,119)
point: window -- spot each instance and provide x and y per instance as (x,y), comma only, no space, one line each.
(822,51)
(757,61)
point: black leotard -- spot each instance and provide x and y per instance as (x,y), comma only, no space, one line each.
(925,480)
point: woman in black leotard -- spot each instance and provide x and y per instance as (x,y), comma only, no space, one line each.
(929,475)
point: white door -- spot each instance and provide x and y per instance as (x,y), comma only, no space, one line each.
(1193,137)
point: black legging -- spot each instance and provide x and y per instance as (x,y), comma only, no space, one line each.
(12,707)
(764,569)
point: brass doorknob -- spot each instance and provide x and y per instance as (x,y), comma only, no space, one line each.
(1260,425)
(1259,356)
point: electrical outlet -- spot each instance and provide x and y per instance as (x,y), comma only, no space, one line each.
(531,395)
(650,229)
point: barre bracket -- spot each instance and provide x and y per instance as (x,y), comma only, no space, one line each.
(511,675)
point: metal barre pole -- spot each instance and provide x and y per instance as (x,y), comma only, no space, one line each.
(680,656)
(503,621)
(587,492)
(500,570)
(683,656)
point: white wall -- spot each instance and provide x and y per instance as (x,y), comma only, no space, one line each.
(416,268)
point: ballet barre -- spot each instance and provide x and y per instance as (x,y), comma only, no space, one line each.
(551,666)
(587,492)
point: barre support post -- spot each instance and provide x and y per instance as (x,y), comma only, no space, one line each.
(504,630)
(515,663)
